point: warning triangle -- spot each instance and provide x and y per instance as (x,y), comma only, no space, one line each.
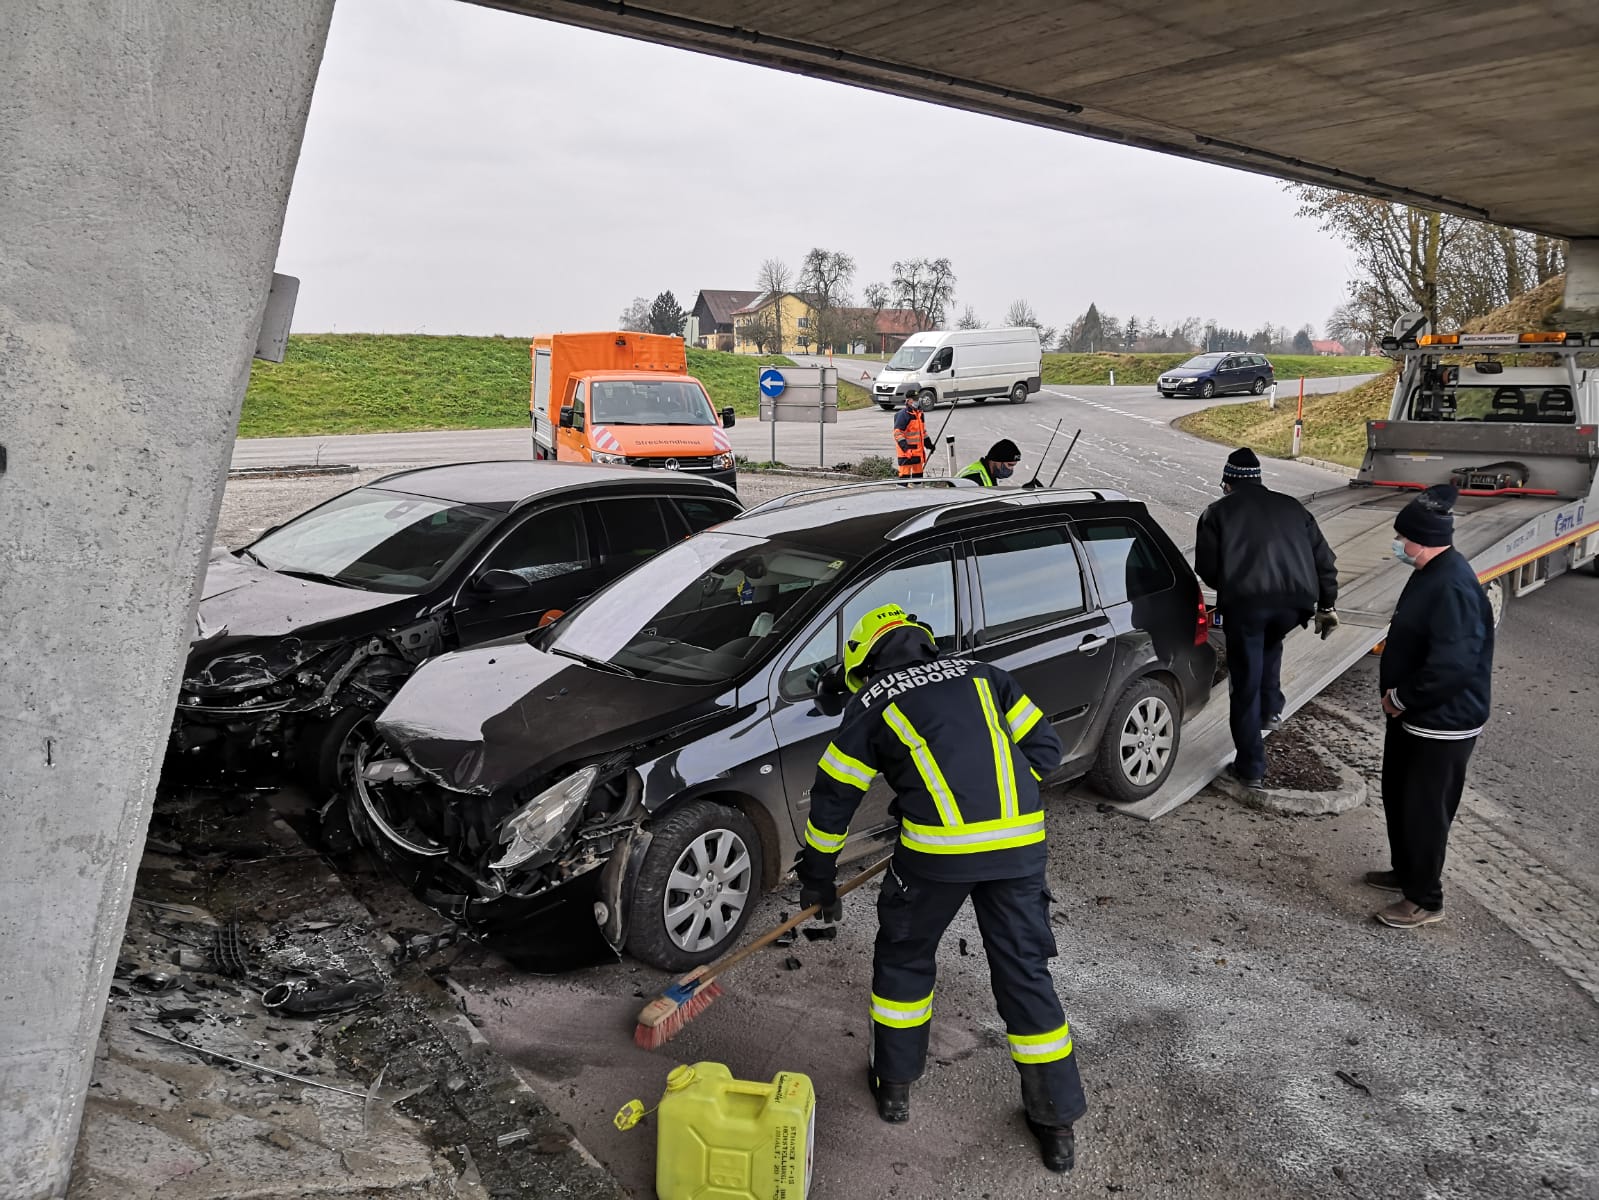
(866,374)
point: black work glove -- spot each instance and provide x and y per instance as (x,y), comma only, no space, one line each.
(824,894)
(1326,621)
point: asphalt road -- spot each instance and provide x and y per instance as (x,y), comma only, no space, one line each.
(1127,444)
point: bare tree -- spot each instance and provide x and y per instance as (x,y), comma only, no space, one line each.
(1446,267)
(635,317)
(876,297)
(774,279)
(969,319)
(926,287)
(1021,313)
(825,279)
(758,328)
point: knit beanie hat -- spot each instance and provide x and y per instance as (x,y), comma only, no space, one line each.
(1004,450)
(1429,520)
(1242,467)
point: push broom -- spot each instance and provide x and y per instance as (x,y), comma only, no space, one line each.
(663,1018)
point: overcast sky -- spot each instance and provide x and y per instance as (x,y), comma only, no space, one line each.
(470,171)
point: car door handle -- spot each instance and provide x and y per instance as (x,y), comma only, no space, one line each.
(1091,643)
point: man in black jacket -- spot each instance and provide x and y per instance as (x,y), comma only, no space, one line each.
(1264,556)
(1435,679)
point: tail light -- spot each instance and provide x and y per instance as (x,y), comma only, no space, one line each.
(1202,628)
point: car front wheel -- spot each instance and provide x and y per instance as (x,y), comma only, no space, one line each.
(1140,742)
(1207,389)
(697,887)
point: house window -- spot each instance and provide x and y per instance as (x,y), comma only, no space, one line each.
(804,322)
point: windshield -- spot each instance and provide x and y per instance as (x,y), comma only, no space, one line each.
(649,402)
(1203,361)
(909,358)
(730,598)
(372,538)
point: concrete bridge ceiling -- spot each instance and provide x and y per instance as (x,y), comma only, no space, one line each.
(1489,108)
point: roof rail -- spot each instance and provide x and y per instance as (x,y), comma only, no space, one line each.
(932,518)
(809,494)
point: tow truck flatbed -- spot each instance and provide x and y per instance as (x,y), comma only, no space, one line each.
(1516,538)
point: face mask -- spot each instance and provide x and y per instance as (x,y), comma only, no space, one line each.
(1002,471)
(1399,552)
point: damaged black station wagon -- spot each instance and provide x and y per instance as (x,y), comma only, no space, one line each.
(307,632)
(651,754)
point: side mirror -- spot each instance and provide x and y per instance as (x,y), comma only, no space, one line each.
(729,417)
(829,681)
(566,416)
(499,582)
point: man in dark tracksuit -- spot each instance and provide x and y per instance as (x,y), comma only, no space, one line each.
(1271,569)
(964,751)
(1436,684)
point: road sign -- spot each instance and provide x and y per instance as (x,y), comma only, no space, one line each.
(772,383)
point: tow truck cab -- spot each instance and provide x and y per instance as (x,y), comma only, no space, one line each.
(626,399)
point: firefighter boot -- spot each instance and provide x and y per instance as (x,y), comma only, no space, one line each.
(1056,1144)
(893,1099)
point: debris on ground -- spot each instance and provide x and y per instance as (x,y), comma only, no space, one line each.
(1293,763)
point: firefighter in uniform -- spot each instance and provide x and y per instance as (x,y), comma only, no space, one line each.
(910,438)
(964,751)
(999,463)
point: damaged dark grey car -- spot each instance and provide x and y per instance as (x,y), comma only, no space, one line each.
(650,756)
(306,633)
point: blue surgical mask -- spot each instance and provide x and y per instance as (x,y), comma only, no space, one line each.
(1399,552)
(1001,471)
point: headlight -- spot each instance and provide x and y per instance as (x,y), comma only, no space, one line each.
(723,462)
(608,460)
(543,821)
(251,668)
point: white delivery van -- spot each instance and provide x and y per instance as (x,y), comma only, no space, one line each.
(946,365)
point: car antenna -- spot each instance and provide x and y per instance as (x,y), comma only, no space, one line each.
(938,440)
(1065,456)
(1033,482)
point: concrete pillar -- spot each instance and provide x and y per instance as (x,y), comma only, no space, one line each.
(147,149)
(1580,307)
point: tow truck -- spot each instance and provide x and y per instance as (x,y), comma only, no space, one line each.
(1520,441)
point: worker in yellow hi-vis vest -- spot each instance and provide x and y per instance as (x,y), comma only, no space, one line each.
(964,750)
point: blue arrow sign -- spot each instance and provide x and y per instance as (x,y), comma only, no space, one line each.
(772,383)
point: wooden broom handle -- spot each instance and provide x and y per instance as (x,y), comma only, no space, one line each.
(799,918)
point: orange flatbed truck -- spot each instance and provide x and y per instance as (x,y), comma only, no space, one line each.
(626,399)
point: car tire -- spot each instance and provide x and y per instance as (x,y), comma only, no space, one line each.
(1207,389)
(326,751)
(1018,394)
(1140,742)
(1498,593)
(929,398)
(1259,386)
(706,838)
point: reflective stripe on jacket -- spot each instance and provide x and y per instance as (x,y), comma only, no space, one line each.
(978,471)
(910,441)
(963,749)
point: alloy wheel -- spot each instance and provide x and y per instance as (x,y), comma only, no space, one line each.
(707,890)
(1147,738)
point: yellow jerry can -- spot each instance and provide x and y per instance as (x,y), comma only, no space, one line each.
(722,1138)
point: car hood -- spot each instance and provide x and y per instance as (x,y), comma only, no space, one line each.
(242,600)
(504,713)
(660,441)
(1186,372)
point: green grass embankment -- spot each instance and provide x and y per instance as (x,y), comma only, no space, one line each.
(1335,423)
(387,383)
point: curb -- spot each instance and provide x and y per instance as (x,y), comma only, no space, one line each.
(1336,468)
(292,471)
(1351,793)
